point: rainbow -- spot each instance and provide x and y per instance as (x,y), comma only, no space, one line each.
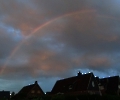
(41,27)
(37,29)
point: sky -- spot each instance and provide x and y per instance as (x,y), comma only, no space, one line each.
(48,40)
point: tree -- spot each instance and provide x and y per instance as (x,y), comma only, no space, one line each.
(12,94)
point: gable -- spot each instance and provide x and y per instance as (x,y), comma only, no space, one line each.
(83,82)
(93,84)
(33,89)
(36,90)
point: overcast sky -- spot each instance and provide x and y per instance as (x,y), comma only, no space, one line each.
(46,40)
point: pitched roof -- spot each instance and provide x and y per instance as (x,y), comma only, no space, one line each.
(110,83)
(76,83)
(27,89)
(113,83)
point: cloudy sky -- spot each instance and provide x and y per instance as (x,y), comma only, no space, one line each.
(46,40)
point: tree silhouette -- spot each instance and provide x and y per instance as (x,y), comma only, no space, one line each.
(12,94)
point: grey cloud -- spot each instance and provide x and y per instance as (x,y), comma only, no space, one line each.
(79,35)
(7,43)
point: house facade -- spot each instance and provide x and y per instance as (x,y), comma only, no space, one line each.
(80,84)
(30,91)
(4,95)
(110,85)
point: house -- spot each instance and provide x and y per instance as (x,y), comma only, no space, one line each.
(5,95)
(30,91)
(80,84)
(110,85)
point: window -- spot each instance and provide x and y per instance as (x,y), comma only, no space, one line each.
(93,84)
(70,87)
(118,86)
(101,87)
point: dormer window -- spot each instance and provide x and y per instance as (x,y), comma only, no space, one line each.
(93,84)
(70,87)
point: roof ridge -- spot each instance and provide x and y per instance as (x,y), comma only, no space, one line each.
(74,76)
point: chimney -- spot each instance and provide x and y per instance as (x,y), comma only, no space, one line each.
(79,73)
(36,82)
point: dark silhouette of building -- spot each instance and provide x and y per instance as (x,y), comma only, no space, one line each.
(110,85)
(4,95)
(80,84)
(30,91)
